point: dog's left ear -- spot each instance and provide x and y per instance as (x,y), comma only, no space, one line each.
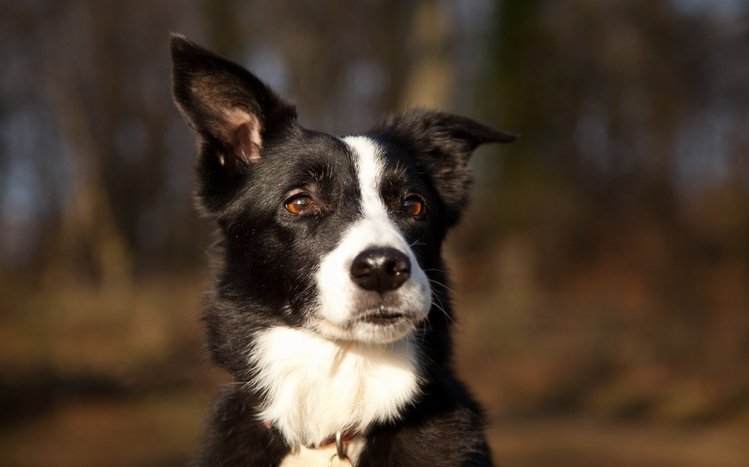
(442,143)
(224,103)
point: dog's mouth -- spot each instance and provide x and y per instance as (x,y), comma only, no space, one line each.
(375,325)
(384,317)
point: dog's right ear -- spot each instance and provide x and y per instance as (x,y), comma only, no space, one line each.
(232,112)
(441,143)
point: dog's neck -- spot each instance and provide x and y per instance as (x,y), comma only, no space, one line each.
(314,387)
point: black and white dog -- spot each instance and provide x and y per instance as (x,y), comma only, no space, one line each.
(330,309)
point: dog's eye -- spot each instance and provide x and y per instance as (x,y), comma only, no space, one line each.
(300,204)
(413,206)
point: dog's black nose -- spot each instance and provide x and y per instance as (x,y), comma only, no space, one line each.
(380,269)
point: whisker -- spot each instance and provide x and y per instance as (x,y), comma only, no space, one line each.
(435,270)
(445,287)
(437,302)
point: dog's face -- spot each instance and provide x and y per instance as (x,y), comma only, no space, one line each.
(341,236)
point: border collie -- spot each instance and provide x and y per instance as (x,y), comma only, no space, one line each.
(330,309)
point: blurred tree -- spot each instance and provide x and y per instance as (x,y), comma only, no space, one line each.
(603,94)
(629,128)
(104,202)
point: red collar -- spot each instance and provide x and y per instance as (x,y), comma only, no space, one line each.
(346,437)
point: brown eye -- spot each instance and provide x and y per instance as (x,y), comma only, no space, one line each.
(413,206)
(300,204)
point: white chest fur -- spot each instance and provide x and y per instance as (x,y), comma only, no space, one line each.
(315,387)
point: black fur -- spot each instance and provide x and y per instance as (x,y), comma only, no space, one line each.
(266,255)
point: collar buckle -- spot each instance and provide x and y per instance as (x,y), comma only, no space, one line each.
(341,443)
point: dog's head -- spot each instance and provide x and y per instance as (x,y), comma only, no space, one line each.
(341,236)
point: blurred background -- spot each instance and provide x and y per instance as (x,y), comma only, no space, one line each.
(602,273)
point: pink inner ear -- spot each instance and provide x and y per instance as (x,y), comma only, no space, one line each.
(245,135)
(247,143)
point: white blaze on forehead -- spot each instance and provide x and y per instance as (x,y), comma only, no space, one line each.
(369,168)
(375,225)
(337,292)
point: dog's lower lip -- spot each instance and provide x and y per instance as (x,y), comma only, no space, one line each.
(383,316)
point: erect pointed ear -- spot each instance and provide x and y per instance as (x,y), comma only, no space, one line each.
(441,144)
(230,109)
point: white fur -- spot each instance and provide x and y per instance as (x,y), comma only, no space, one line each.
(315,387)
(338,295)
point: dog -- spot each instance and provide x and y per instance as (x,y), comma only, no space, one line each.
(330,308)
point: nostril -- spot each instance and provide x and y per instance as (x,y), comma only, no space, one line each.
(380,269)
(361,269)
(398,266)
